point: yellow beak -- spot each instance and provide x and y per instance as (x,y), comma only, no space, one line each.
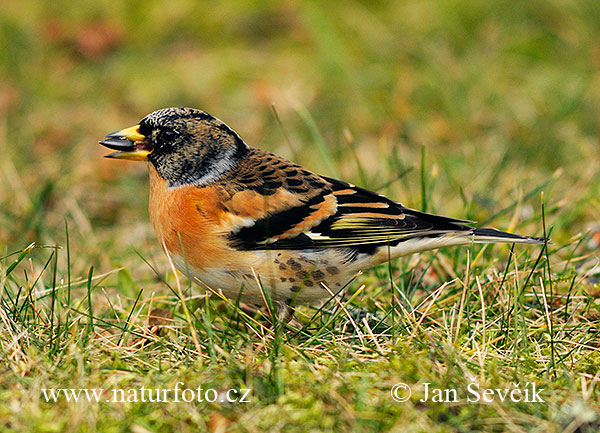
(128,143)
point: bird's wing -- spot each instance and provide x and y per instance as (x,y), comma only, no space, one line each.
(282,206)
(365,219)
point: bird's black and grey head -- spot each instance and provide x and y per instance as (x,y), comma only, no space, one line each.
(186,146)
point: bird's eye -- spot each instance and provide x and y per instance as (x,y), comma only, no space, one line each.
(167,135)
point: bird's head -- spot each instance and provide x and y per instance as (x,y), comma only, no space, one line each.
(186,146)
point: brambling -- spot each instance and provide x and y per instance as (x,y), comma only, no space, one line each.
(226,211)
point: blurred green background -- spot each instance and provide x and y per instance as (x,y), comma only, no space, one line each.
(501,94)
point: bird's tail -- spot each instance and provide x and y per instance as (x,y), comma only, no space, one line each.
(460,234)
(487,235)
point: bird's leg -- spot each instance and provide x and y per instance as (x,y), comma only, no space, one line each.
(285,311)
(359,314)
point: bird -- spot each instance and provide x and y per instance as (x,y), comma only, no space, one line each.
(243,221)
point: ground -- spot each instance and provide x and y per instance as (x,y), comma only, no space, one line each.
(480,110)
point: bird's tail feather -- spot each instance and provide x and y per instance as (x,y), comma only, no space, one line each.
(486,235)
(451,238)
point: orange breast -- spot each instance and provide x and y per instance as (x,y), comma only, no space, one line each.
(192,214)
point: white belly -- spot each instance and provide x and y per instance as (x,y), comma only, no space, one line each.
(285,275)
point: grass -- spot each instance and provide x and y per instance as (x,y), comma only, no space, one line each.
(480,110)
